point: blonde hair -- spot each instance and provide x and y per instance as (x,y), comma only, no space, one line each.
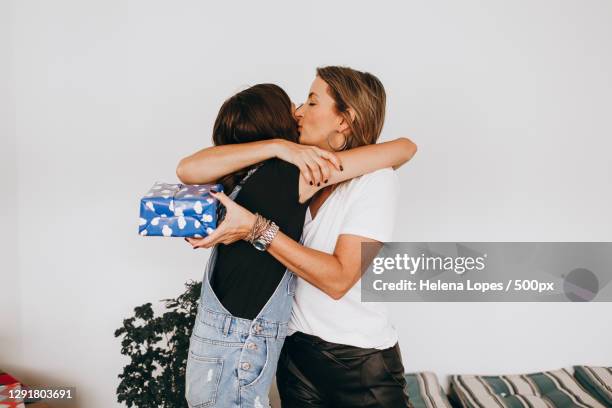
(364,94)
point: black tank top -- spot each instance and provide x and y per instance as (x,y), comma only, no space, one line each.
(243,277)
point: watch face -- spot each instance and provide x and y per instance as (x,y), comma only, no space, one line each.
(259,245)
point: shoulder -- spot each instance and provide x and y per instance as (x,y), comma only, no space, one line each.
(383,180)
(281,167)
(383,175)
(279,177)
(371,188)
(371,206)
(278,170)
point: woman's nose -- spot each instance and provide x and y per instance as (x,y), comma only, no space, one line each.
(298,112)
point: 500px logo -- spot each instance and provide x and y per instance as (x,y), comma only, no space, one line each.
(428,263)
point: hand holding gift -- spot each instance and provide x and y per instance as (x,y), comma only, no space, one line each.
(236,225)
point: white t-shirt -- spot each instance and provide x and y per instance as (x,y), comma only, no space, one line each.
(364,206)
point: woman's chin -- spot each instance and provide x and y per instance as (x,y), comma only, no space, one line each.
(305,140)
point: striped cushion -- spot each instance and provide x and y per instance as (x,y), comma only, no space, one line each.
(598,380)
(546,389)
(424,390)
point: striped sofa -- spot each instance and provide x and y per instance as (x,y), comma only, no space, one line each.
(425,390)
(597,380)
(546,389)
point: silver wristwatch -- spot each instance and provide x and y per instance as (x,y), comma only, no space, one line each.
(263,241)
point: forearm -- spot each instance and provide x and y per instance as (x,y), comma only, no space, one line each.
(379,155)
(369,158)
(212,163)
(316,267)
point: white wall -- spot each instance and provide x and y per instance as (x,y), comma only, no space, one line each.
(509,103)
(10,299)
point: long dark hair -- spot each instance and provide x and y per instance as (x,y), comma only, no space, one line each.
(260,112)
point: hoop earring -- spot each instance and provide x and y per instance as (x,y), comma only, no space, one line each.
(341,147)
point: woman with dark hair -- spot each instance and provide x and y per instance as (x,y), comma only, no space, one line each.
(247,294)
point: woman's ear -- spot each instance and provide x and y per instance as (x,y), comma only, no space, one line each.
(344,126)
(351,112)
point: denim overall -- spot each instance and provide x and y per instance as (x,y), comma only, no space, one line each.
(232,361)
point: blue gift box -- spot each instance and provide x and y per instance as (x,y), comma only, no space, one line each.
(179,210)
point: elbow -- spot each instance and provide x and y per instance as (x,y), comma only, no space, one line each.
(336,294)
(408,149)
(411,148)
(338,291)
(181,172)
(188,171)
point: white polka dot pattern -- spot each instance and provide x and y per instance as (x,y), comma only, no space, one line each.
(178,210)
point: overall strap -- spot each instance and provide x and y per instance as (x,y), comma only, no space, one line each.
(238,186)
(235,191)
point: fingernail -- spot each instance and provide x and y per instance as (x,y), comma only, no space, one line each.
(341,168)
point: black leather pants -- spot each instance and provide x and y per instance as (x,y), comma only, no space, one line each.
(316,373)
